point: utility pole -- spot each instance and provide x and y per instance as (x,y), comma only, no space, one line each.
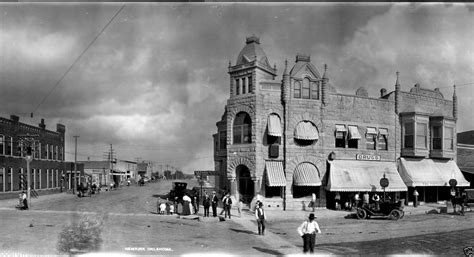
(111,156)
(75,165)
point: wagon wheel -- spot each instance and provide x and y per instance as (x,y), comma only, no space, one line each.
(361,213)
(395,214)
(402,214)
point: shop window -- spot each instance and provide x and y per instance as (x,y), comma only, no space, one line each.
(242,129)
(436,133)
(272,191)
(297,93)
(305,191)
(2,145)
(448,138)
(421,135)
(409,129)
(370,138)
(237,86)
(244,89)
(249,79)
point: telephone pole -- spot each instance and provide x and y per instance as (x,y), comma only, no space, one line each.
(75,165)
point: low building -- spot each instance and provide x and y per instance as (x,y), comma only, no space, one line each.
(465,154)
(48,168)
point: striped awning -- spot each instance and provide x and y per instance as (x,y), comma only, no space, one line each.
(341,128)
(306,174)
(354,132)
(305,130)
(361,176)
(383,131)
(371,131)
(275,176)
(430,172)
(274,125)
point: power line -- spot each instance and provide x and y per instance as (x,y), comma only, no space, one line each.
(76,60)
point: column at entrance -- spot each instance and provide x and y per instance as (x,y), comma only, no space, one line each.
(256,185)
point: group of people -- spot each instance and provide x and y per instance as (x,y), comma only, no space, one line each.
(213,201)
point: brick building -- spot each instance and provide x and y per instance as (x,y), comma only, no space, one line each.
(283,140)
(48,168)
(465,154)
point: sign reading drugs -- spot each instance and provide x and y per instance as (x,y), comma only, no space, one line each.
(205,173)
(368,157)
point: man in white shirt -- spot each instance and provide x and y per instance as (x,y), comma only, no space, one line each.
(308,231)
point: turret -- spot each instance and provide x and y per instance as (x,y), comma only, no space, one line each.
(285,94)
(397,94)
(455,104)
(324,84)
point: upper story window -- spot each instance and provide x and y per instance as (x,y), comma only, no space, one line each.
(36,153)
(382,141)
(449,138)
(297,93)
(9,146)
(370,138)
(437,137)
(61,153)
(47,152)
(341,132)
(222,140)
(2,144)
(44,151)
(244,86)
(250,87)
(242,129)
(306,133)
(237,86)
(408,139)
(305,91)
(314,90)
(353,137)
(421,135)
(19,149)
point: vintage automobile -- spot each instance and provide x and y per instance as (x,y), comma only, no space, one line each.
(179,189)
(392,210)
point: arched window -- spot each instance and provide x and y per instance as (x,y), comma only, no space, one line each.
(305,92)
(297,89)
(242,129)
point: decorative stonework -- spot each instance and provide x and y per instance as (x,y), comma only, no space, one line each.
(239,161)
(314,118)
(417,89)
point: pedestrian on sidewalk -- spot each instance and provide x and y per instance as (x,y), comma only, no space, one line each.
(206,203)
(415,200)
(260,215)
(25,201)
(239,207)
(214,202)
(227,205)
(307,230)
(312,204)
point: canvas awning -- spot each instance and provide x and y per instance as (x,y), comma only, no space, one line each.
(305,130)
(430,172)
(371,131)
(383,131)
(341,128)
(361,176)
(306,174)
(274,125)
(354,132)
(275,177)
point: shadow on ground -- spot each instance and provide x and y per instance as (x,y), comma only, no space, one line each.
(269,251)
(242,231)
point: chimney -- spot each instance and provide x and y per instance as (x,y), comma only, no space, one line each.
(60,128)
(42,125)
(383,92)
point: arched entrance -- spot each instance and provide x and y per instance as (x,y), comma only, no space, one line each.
(245,183)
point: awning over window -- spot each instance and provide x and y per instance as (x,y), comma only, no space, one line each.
(275,175)
(354,132)
(430,172)
(307,131)
(383,131)
(371,131)
(306,174)
(341,128)
(274,125)
(360,176)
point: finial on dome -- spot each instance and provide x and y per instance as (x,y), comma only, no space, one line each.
(398,74)
(286,67)
(325,71)
(252,39)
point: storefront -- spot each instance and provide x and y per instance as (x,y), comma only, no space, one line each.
(348,177)
(430,177)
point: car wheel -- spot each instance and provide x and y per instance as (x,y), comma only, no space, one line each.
(395,214)
(361,214)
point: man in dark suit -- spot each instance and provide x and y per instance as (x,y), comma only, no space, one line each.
(214,201)
(227,205)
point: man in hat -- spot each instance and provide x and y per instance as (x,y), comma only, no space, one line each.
(308,231)
(260,215)
(214,201)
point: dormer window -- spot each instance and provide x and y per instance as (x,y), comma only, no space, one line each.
(297,93)
(305,92)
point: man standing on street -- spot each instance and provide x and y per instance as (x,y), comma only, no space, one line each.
(227,204)
(214,204)
(206,203)
(260,215)
(308,231)
(415,196)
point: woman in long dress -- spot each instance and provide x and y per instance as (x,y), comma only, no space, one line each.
(186,205)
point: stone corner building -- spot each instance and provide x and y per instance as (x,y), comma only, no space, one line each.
(285,139)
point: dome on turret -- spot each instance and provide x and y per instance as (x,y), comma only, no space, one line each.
(252,51)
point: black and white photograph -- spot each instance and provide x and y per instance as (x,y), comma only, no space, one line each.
(236,129)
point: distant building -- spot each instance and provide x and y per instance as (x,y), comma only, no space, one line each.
(48,168)
(106,172)
(287,139)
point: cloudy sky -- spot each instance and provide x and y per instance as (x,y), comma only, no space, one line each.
(154,82)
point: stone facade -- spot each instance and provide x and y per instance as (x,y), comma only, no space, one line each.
(304,95)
